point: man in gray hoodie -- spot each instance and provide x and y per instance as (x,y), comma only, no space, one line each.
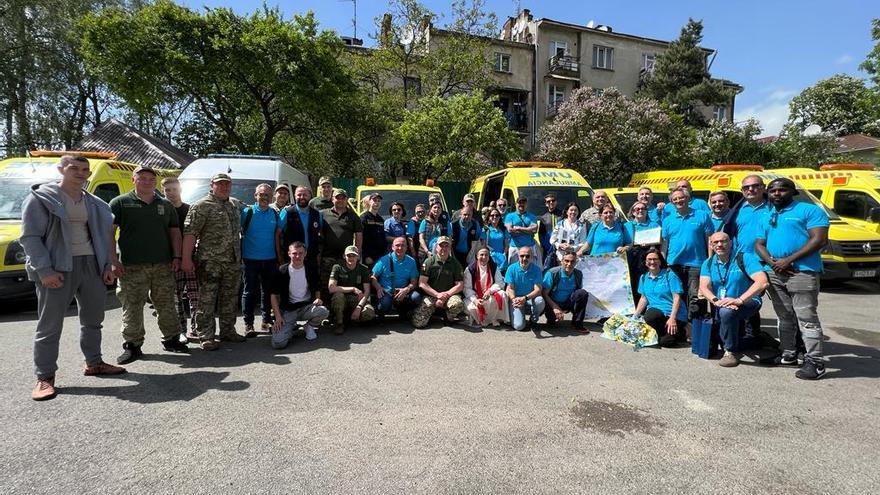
(66,235)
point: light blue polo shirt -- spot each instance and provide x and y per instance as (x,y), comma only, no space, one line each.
(655,217)
(523,281)
(749,223)
(694,203)
(716,222)
(258,242)
(404,271)
(786,232)
(603,240)
(633,226)
(566,285)
(686,237)
(521,220)
(659,292)
(729,275)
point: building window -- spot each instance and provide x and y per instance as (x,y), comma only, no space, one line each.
(598,92)
(603,57)
(719,113)
(558,49)
(556,95)
(648,62)
(502,62)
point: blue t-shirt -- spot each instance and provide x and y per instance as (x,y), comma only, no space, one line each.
(749,223)
(730,277)
(659,292)
(432,232)
(786,232)
(604,240)
(496,238)
(523,281)
(653,216)
(686,237)
(566,285)
(395,229)
(404,271)
(462,245)
(694,204)
(259,240)
(303,218)
(521,220)
(412,228)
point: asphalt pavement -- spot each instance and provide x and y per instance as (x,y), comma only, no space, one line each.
(385,409)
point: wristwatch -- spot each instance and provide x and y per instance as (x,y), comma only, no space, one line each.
(714,299)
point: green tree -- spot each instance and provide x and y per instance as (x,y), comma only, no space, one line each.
(253,77)
(609,137)
(793,149)
(871,65)
(726,142)
(455,138)
(681,77)
(840,105)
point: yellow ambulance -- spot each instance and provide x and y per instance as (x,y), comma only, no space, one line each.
(532,180)
(852,190)
(852,251)
(109,178)
(408,194)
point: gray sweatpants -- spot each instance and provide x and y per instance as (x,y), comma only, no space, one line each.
(85,285)
(314,316)
(795,299)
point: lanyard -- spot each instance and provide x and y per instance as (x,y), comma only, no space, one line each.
(726,275)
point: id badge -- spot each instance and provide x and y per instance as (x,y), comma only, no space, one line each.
(722,293)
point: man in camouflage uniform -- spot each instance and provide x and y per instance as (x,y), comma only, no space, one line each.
(213,230)
(442,282)
(349,290)
(149,245)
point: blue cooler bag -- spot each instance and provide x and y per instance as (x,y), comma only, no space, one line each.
(703,343)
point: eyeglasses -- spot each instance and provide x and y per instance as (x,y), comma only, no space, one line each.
(746,187)
(420,213)
(525,256)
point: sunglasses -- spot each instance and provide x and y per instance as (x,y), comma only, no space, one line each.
(420,213)
(640,209)
(746,187)
(525,256)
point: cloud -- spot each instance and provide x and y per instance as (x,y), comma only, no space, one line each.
(844,59)
(782,95)
(772,113)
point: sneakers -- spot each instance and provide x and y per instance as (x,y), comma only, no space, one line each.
(130,352)
(266,326)
(44,389)
(811,370)
(788,358)
(249,331)
(183,339)
(232,337)
(209,345)
(102,368)
(729,359)
(310,332)
(174,345)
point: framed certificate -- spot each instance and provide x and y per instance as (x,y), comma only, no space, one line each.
(647,236)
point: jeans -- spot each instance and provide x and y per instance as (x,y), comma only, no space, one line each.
(85,285)
(690,282)
(314,316)
(532,307)
(258,275)
(795,299)
(576,304)
(729,323)
(383,307)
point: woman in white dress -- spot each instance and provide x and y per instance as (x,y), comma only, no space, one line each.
(569,234)
(484,291)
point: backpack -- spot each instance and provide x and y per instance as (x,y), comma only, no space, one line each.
(249,214)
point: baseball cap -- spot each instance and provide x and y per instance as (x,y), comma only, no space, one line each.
(145,168)
(522,199)
(550,195)
(352,250)
(468,197)
(433,197)
(339,191)
(375,195)
(444,238)
(324,180)
(220,178)
(282,186)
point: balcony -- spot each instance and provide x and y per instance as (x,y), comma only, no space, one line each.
(562,64)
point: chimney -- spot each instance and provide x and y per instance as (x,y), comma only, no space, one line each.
(385,33)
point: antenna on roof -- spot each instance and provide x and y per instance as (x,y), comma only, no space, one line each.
(354,21)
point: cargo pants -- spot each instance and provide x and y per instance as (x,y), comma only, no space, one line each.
(142,282)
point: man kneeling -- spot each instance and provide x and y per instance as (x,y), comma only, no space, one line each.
(350,289)
(441,281)
(733,284)
(563,293)
(295,296)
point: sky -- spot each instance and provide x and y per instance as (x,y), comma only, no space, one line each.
(774,48)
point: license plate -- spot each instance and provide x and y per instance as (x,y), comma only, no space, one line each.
(864,273)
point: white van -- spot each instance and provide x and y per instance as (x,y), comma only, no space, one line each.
(247,172)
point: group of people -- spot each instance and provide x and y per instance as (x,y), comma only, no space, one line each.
(314,260)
